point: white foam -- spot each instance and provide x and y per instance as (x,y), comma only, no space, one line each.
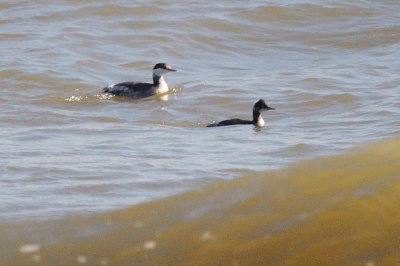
(207,236)
(29,248)
(82,259)
(149,245)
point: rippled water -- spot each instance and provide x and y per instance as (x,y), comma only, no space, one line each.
(330,68)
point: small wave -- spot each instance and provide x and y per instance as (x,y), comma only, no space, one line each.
(302,12)
(221,25)
(112,10)
(301,147)
(328,100)
(358,39)
(341,98)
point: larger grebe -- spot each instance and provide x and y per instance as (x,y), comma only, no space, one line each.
(140,89)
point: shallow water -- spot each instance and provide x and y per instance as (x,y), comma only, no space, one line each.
(330,69)
(336,210)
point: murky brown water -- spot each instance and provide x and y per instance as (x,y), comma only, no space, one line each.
(337,210)
(331,70)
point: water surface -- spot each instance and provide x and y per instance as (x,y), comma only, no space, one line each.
(330,68)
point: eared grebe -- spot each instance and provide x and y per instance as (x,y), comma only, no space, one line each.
(257,119)
(140,89)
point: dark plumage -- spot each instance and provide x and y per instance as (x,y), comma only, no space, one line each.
(141,89)
(258,121)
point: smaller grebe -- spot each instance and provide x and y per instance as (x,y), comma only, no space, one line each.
(257,119)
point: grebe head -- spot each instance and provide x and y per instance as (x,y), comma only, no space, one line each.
(161,69)
(261,106)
